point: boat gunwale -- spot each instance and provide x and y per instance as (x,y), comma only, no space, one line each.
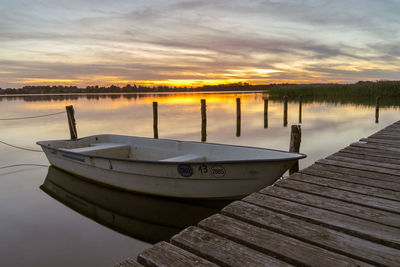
(298,157)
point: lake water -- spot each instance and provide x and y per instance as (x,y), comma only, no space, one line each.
(36,229)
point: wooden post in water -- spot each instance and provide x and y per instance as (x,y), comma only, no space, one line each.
(203,121)
(155,119)
(295,140)
(238,117)
(266,113)
(377,109)
(71,122)
(300,107)
(285,111)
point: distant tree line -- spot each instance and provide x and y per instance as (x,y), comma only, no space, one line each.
(361,88)
(128,89)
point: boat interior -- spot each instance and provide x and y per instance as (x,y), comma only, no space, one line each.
(140,148)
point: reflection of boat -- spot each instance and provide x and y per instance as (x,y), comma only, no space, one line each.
(170,168)
(144,217)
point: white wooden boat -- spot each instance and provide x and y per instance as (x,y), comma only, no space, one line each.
(170,168)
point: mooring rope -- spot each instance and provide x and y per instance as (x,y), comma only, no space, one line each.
(23,148)
(31,117)
(20,165)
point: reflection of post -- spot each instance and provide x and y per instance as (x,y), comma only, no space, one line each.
(155,119)
(284,111)
(300,107)
(203,121)
(71,122)
(377,109)
(238,116)
(295,140)
(266,113)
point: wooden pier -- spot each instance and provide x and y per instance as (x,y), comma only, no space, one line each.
(342,210)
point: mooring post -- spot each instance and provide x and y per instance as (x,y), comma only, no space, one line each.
(300,107)
(266,113)
(238,117)
(378,98)
(71,122)
(203,121)
(284,111)
(155,119)
(295,140)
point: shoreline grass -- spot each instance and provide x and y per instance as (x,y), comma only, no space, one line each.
(359,89)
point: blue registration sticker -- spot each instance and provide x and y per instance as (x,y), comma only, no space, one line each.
(185,170)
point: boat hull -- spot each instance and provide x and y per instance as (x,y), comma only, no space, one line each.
(206,180)
(239,179)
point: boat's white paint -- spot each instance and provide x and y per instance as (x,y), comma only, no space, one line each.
(168,167)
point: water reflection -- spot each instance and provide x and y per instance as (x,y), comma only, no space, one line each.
(150,219)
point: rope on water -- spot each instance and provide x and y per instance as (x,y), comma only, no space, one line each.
(23,148)
(32,117)
(21,165)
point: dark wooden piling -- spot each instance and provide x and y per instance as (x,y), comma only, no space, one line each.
(155,119)
(378,98)
(203,121)
(295,140)
(238,117)
(300,108)
(266,113)
(285,107)
(71,122)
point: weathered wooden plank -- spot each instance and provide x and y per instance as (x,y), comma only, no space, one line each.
(363,162)
(221,250)
(376,146)
(327,238)
(375,158)
(274,200)
(128,263)
(165,254)
(383,142)
(371,152)
(348,169)
(350,165)
(362,212)
(281,246)
(360,199)
(342,174)
(348,186)
(385,136)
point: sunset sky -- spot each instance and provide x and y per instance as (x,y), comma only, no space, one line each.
(191,43)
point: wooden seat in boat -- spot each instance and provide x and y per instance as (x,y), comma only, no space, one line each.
(103,149)
(186,157)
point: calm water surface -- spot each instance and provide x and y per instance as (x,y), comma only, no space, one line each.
(36,229)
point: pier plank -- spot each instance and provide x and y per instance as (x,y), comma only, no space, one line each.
(128,263)
(386,136)
(354,210)
(330,172)
(371,152)
(356,198)
(366,162)
(376,146)
(348,186)
(362,167)
(376,232)
(327,238)
(221,250)
(165,254)
(281,246)
(383,142)
(367,157)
